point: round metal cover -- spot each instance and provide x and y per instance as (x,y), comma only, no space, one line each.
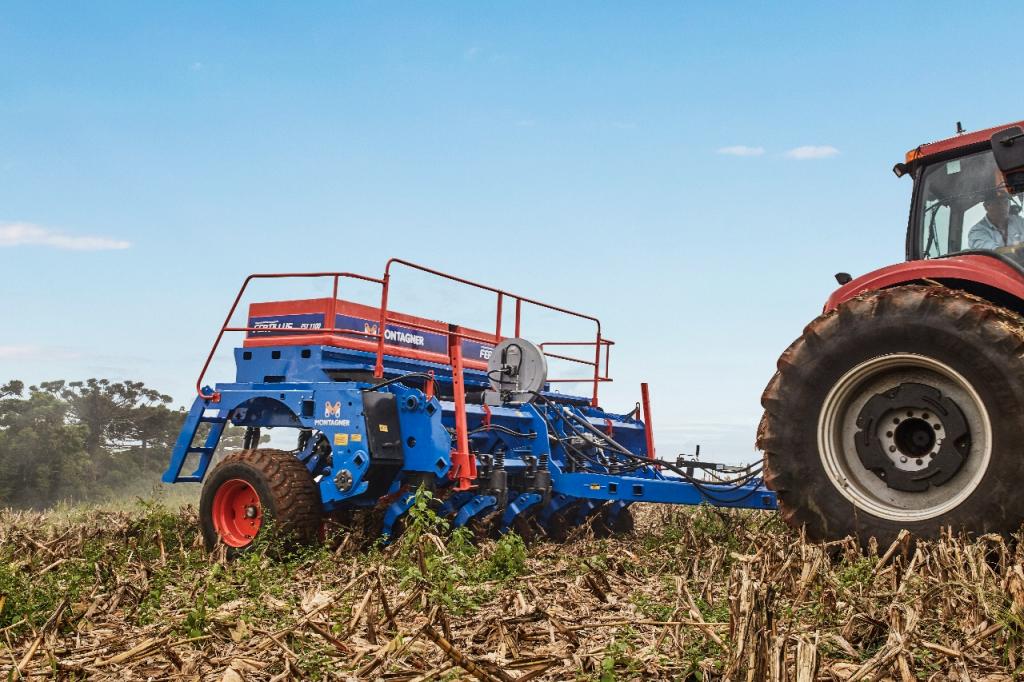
(517,367)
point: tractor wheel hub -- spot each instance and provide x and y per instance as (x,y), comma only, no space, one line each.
(912,437)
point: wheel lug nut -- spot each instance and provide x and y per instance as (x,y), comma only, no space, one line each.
(920,462)
(892,448)
(888,434)
(903,460)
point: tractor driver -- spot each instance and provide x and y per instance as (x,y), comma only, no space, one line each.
(998,228)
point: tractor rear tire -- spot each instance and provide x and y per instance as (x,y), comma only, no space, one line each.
(253,491)
(901,409)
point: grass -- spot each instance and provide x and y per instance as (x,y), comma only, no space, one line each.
(79,587)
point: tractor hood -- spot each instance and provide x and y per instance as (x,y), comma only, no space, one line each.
(985,268)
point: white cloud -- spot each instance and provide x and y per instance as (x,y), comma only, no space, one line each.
(811,151)
(741,150)
(27,234)
(19,352)
(34,352)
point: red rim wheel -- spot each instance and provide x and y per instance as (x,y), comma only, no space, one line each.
(250,489)
(237,512)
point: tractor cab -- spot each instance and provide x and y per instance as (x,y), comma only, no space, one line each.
(963,201)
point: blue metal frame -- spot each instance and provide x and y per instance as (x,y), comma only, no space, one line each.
(295,387)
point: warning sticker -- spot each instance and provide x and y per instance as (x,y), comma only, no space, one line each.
(341,439)
(357,437)
(383,427)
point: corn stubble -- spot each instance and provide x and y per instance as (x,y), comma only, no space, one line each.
(695,594)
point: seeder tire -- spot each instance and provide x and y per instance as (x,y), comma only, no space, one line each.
(252,491)
(833,413)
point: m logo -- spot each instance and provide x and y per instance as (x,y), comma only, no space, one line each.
(332,410)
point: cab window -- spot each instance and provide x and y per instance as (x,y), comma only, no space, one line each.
(954,195)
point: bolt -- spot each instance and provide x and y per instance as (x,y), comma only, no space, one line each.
(910,413)
(903,460)
(892,448)
(924,416)
(920,462)
(250,511)
(343,480)
(888,434)
(896,420)
(938,427)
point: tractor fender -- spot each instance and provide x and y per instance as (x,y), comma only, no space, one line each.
(988,275)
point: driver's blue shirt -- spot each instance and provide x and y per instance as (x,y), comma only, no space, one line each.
(985,235)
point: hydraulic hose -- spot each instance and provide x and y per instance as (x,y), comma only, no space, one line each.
(700,485)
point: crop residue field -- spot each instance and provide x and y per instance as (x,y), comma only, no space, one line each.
(694,594)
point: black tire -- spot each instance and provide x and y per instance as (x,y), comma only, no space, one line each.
(604,526)
(527,526)
(560,525)
(484,526)
(289,500)
(934,326)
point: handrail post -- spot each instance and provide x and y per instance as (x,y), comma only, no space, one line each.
(428,387)
(645,397)
(463,464)
(597,367)
(497,324)
(378,369)
(519,308)
(333,309)
(220,335)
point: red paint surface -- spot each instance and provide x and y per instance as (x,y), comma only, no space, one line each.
(956,142)
(230,504)
(355,340)
(982,269)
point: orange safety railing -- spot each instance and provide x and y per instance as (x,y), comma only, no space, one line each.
(456,334)
(598,343)
(330,326)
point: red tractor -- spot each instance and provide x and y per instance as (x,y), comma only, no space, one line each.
(902,405)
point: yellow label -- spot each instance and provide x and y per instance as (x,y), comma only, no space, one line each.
(357,437)
(383,427)
(595,486)
(341,439)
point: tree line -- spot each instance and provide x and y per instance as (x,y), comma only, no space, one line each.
(82,441)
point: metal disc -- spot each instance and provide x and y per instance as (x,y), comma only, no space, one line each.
(517,369)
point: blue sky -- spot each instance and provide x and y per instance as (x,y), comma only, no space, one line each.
(153,154)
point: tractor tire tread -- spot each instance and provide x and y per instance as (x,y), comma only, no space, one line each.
(293,497)
(782,431)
